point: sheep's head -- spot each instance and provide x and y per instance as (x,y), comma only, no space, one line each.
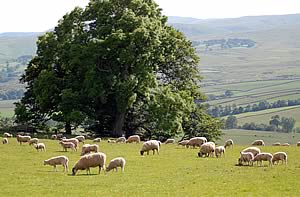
(74,170)
(142,153)
(239,161)
(199,154)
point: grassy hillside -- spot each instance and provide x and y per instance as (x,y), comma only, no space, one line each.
(7,108)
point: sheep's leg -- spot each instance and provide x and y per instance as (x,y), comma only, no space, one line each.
(153,151)
(55,169)
(157,151)
(99,170)
(116,169)
(122,168)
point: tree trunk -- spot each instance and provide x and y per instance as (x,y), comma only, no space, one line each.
(68,128)
(118,124)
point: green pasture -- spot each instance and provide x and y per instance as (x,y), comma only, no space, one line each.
(176,171)
(7,108)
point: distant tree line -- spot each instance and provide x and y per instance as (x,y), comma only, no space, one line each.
(226,43)
(12,94)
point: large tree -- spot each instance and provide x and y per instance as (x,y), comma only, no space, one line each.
(116,62)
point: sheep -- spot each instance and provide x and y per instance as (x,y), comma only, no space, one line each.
(183,142)
(207,149)
(53,137)
(80,138)
(59,136)
(133,138)
(246,157)
(219,151)
(97,139)
(40,146)
(121,140)
(228,143)
(33,141)
(276,144)
(253,150)
(73,140)
(87,148)
(298,143)
(91,160)
(263,157)
(23,139)
(258,143)
(279,156)
(170,141)
(111,141)
(115,163)
(7,135)
(5,141)
(150,145)
(59,160)
(66,145)
(285,144)
(196,141)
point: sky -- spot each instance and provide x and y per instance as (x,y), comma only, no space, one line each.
(41,15)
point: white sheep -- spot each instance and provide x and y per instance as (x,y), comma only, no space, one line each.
(87,148)
(7,135)
(59,160)
(23,139)
(253,150)
(53,137)
(115,163)
(59,136)
(276,144)
(111,141)
(121,140)
(5,141)
(246,157)
(150,145)
(80,138)
(183,142)
(196,141)
(73,140)
(67,145)
(207,149)
(279,156)
(33,141)
(258,143)
(40,146)
(98,139)
(228,143)
(298,143)
(170,141)
(263,157)
(219,151)
(285,144)
(133,138)
(89,161)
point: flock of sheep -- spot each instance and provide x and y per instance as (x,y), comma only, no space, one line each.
(91,157)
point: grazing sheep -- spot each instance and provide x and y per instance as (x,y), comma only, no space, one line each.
(228,143)
(279,156)
(298,143)
(115,163)
(263,157)
(150,145)
(53,137)
(98,139)
(207,149)
(23,139)
(219,151)
(67,145)
(258,143)
(59,160)
(170,141)
(59,136)
(183,142)
(33,141)
(246,157)
(121,140)
(253,150)
(7,135)
(111,141)
(87,148)
(133,138)
(285,144)
(5,141)
(276,144)
(73,140)
(88,161)
(40,146)
(196,141)
(80,138)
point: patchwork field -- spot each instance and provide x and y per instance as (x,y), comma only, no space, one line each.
(176,171)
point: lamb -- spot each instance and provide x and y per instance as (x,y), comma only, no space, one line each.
(196,141)
(207,149)
(80,138)
(88,161)
(59,160)
(285,144)
(33,141)
(133,138)
(115,163)
(228,143)
(87,148)
(53,137)
(170,141)
(150,145)
(253,150)
(183,142)
(40,146)
(23,139)
(97,139)
(258,143)
(219,151)
(66,145)
(246,157)
(111,141)
(263,157)
(73,140)
(276,144)
(279,156)
(7,135)
(121,140)
(5,141)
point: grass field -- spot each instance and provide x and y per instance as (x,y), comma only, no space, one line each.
(7,108)
(177,171)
